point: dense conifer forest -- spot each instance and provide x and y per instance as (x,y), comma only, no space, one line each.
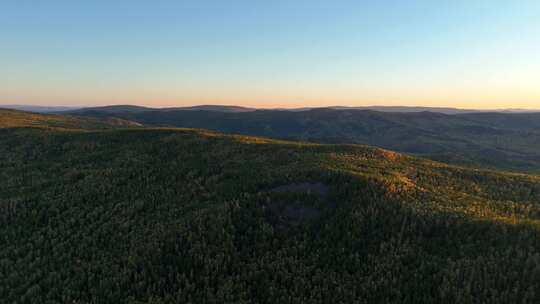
(94,213)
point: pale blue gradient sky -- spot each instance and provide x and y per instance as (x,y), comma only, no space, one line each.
(469,54)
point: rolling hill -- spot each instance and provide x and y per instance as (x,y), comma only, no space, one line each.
(167,215)
(38,109)
(125,109)
(508,141)
(17,119)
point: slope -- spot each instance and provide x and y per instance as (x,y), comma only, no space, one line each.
(17,119)
(22,119)
(180,216)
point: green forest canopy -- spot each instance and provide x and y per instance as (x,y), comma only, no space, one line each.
(192,216)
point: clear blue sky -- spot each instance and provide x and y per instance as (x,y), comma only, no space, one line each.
(472,54)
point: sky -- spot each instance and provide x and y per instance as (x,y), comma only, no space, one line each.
(278,53)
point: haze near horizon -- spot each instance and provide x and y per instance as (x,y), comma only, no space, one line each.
(462,54)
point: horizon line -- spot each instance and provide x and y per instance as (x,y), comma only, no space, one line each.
(268,108)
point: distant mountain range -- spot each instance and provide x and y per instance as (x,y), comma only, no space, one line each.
(399,109)
(235,109)
(509,141)
(140,109)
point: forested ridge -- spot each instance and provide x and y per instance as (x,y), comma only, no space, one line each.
(100,214)
(505,141)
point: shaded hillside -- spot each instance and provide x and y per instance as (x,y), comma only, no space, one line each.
(513,121)
(495,140)
(215,108)
(402,109)
(193,216)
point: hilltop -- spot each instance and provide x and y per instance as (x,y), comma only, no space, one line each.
(187,215)
(125,109)
(39,109)
(22,119)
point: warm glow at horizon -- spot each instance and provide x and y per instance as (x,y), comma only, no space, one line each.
(465,99)
(284,54)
